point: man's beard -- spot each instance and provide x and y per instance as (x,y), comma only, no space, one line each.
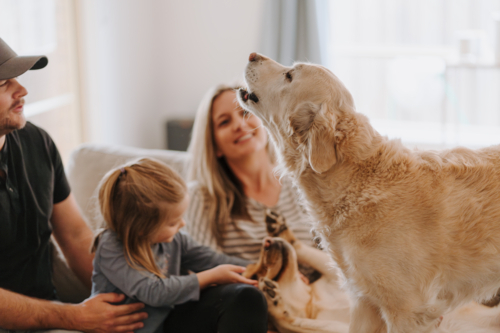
(8,125)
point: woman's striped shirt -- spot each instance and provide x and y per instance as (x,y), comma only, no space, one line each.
(243,238)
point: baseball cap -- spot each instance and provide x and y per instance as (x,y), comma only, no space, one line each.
(12,65)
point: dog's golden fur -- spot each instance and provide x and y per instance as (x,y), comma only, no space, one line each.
(416,234)
(322,306)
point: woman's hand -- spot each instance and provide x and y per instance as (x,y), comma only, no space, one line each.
(223,274)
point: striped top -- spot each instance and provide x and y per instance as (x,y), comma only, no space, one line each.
(243,238)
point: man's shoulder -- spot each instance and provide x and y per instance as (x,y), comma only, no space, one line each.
(31,131)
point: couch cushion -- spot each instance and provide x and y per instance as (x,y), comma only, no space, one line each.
(89,163)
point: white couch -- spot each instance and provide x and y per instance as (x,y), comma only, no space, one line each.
(87,165)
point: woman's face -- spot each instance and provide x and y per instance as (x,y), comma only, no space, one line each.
(237,134)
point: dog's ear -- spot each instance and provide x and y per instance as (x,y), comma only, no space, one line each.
(313,124)
(301,120)
(321,141)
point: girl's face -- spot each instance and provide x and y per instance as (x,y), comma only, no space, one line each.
(237,134)
(173,223)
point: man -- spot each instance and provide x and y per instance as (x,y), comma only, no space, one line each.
(35,202)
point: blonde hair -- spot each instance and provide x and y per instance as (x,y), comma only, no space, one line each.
(222,189)
(134,202)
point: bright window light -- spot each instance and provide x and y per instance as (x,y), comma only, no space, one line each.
(425,71)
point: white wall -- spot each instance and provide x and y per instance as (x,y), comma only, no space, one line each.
(146,61)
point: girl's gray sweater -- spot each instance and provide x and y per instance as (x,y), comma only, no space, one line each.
(112,273)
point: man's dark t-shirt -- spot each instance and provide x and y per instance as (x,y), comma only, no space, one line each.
(34,182)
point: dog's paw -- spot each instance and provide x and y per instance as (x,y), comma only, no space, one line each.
(275,303)
(276,226)
(275,223)
(270,289)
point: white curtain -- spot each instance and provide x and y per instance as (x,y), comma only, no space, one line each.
(295,30)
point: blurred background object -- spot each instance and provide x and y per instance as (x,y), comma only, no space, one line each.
(124,71)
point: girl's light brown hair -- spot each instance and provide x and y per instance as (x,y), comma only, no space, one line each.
(134,201)
(222,189)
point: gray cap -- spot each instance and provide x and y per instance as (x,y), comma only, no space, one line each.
(12,65)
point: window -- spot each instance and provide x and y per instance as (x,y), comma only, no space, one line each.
(421,70)
(35,27)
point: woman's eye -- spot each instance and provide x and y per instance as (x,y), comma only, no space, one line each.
(289,76)
(245,112)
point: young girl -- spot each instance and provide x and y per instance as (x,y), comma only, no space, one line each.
(141,254)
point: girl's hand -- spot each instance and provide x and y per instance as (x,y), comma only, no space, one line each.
(223,274)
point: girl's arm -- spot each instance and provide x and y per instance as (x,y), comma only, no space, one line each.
(223,274)
(198,258)
(142,285)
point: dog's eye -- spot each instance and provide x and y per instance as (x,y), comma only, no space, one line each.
(289,76)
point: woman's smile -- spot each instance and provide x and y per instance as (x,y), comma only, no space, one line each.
(236,133)
(245,137)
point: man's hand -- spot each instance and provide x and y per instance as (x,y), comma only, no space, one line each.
(96,314)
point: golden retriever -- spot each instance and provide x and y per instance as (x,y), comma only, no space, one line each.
(322,307)
(415,234)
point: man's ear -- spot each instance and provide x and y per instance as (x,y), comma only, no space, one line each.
(321,141)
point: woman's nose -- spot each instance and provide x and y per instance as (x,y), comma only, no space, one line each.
(242,123)
(239,123)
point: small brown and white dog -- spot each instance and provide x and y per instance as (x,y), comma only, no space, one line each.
(322,306)
(296,306)
(415,234)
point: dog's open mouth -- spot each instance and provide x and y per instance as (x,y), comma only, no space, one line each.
(245,96)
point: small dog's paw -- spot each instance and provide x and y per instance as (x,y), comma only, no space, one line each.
(274,301)
(276,227)
(270,290)
(275,223)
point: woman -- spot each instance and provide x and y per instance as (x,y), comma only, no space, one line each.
(232,180)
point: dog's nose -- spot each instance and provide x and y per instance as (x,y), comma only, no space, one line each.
(267,242)
(253,57)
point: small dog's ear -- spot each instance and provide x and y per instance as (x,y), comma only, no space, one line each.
(321,141)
